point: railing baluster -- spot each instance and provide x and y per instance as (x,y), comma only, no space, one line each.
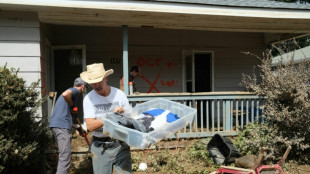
(207,110)
(201,115)
(196,118)
(231,114)
(190,126)
(247,111)
(252,111)
(237,113)
(242,101)
(257,110)
(263,103)
(223,115)
(218,116)
(212,115)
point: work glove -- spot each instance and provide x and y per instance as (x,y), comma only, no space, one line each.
(81,131)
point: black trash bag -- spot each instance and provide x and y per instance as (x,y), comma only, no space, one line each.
(222,150)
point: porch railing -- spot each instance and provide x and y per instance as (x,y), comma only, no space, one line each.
(217,112)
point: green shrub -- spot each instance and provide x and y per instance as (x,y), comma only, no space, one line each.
(22,140)
(256,136)
(286,109)
(198,151)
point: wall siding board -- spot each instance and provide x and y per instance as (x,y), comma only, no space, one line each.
(20,43)
(19,34)
(26,64)
(20,48)
(30,77)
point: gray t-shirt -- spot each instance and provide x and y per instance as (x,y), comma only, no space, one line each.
(61,117)
(96,106)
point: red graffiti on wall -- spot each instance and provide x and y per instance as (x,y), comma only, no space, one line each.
(155,62)
(170,64)
(169,83)
(149,62)
(153,85)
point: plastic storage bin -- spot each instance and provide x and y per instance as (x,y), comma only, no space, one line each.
(142,140)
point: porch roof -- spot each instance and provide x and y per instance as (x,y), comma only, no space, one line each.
(245,3)
(275,19)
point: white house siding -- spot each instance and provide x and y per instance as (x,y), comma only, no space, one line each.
(159,52)
(20,44)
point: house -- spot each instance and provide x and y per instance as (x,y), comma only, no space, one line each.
(299,55)
(188,50)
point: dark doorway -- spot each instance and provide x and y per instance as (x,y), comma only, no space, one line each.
(203,72)
(67,67)
(65,72)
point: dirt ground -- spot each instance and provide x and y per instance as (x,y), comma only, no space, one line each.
(82,165)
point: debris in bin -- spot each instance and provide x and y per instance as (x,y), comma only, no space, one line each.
(146,122)
(181,116)
(140,125)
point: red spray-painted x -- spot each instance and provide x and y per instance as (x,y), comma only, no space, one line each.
(154,83)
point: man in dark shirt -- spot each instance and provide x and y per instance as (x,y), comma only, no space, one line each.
(134,73)
(61,123)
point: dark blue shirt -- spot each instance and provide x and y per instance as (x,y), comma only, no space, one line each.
(61,117)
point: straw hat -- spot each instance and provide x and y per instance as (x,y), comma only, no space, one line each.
(95,73)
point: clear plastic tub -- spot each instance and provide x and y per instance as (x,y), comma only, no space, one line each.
(142,140)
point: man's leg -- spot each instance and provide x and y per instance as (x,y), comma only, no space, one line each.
(123,160)
(63,138)
(102,159)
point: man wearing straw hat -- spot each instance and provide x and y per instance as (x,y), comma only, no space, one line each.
(104,99)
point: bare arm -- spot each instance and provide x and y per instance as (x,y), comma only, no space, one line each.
(93,123)
(68,97)
(119,109)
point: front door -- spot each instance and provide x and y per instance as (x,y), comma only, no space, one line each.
(203,72)
(198,71)
(198,78)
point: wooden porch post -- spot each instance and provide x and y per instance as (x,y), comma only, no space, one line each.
(125,58)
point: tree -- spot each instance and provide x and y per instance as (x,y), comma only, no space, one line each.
(22,139)
(290,45)
(286,89)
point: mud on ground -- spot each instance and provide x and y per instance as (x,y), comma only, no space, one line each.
(82,165)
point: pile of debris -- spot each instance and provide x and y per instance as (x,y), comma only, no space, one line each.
(223,151)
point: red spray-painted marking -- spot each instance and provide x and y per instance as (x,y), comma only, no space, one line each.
(153,85)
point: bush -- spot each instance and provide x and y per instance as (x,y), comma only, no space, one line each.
(287,108)
(22,140)
(256,136)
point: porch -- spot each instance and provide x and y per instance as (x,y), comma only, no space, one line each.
(217,112)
